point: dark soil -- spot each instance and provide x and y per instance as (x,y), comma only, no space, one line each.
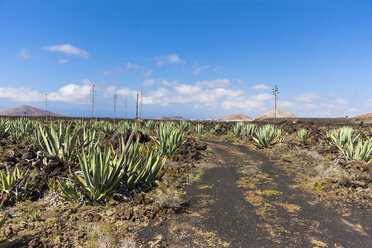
(245,200)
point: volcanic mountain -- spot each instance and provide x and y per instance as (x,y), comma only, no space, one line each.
(236,117)
(280,113)
(25,110)
(363,116)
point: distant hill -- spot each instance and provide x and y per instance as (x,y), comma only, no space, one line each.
(363,116)
(280,113)
(25,110)
(236,117)
(171,118)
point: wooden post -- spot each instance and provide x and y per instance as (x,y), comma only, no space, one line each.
(275,93)
(137,107)
(93,90)
(115,100)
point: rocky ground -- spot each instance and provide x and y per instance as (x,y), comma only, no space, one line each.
(219,191)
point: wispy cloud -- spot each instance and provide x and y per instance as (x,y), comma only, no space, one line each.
(131,66)
(306,97)
(221,82)
(63,61)
(198,69)
(171,58)
(25,53)
(260,87)
(67,49)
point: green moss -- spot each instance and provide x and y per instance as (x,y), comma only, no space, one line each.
(286,158)
(51,220)
(205,186)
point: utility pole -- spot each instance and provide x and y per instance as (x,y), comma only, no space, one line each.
(275,93)
(46,106)
(140,115)
(93,92)
(137,107)
(115,101)
(125,107)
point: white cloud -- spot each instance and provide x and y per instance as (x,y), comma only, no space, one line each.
(146,73)
(368,102)
(25,53)
(112,71)
(71,93)
(260,87)
(221,82)
(171,58)
(306,97)
(199,69)
(21,94)
(130,66)
(310,106)
(286,104)
(85,81)
(67,49)
(63,61)
(244,103)
(341,101)
(148,82)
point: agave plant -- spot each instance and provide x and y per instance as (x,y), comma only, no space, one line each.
(215,128)
(169,140)
(237,128)
(249,129)
(21,128)
(14,184)
(124,127)
(150,124)
(199,128)
(342,136)
(267,136)
(3,128)
(2,222)
(61,143)
(100,178)
(361,151)
(302,134)
(106,127)
(90,140)
(152,169)
(184,126)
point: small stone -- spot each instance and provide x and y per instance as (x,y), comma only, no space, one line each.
(28,155)
(359,183)
(8,231)
(10,154)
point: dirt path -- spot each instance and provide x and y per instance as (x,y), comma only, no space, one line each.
(244,200)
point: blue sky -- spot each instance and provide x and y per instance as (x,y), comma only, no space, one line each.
(198,59)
